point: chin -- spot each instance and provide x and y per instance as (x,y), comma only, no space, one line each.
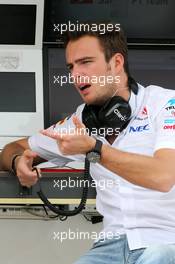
(88,100)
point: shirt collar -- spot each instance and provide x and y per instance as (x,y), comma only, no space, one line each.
(136,100)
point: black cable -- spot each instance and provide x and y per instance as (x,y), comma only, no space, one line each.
(82,204)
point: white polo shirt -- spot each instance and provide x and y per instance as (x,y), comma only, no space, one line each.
(146,216)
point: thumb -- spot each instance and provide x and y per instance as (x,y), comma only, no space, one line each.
(80,127)
(29,154)
(78,123)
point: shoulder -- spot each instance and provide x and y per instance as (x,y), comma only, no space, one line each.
(157,98)
(155,91)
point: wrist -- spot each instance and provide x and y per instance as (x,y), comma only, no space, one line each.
(94,155)
(91,144)
(13,162)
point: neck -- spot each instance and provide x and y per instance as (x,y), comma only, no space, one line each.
(123,88)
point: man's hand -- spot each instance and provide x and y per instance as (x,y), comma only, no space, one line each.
(78,143)
(23,165)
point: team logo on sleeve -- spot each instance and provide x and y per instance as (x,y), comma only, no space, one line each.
(169,123)
(171,105)
(169,116)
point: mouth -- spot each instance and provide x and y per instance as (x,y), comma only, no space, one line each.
(84,87)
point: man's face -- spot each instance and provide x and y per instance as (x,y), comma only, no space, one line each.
(87,64)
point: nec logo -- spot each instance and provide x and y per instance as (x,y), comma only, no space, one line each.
(139,128)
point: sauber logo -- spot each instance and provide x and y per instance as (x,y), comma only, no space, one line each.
(143,114)
(144,111)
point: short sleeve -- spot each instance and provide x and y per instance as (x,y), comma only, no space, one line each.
(165,126)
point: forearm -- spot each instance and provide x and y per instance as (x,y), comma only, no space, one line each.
(12,149)
(145,171)
(157,172)
(7,154)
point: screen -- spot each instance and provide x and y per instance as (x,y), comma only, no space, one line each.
(155,67)
(17,24)
(147,67)
(62,98)
(17,92)
(143,20)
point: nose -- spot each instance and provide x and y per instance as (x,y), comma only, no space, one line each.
(75,71)
(76,74)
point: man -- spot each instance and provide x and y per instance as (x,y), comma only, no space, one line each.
(139,210)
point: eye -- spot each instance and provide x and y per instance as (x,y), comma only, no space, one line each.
(70,68)
(86,61)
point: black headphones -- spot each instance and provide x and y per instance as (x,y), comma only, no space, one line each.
(114,114)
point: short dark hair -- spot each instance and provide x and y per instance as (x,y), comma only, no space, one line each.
(111,42)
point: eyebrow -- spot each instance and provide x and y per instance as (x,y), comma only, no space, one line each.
(80,60)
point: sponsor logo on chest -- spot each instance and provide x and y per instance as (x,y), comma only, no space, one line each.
(134,129)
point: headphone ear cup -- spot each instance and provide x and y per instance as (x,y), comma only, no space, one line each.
(90,117)
(115,113)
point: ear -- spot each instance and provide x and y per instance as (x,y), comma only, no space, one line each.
(117,63)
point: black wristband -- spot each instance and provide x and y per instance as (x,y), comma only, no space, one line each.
(13,168)
(98,146)
(95,154)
